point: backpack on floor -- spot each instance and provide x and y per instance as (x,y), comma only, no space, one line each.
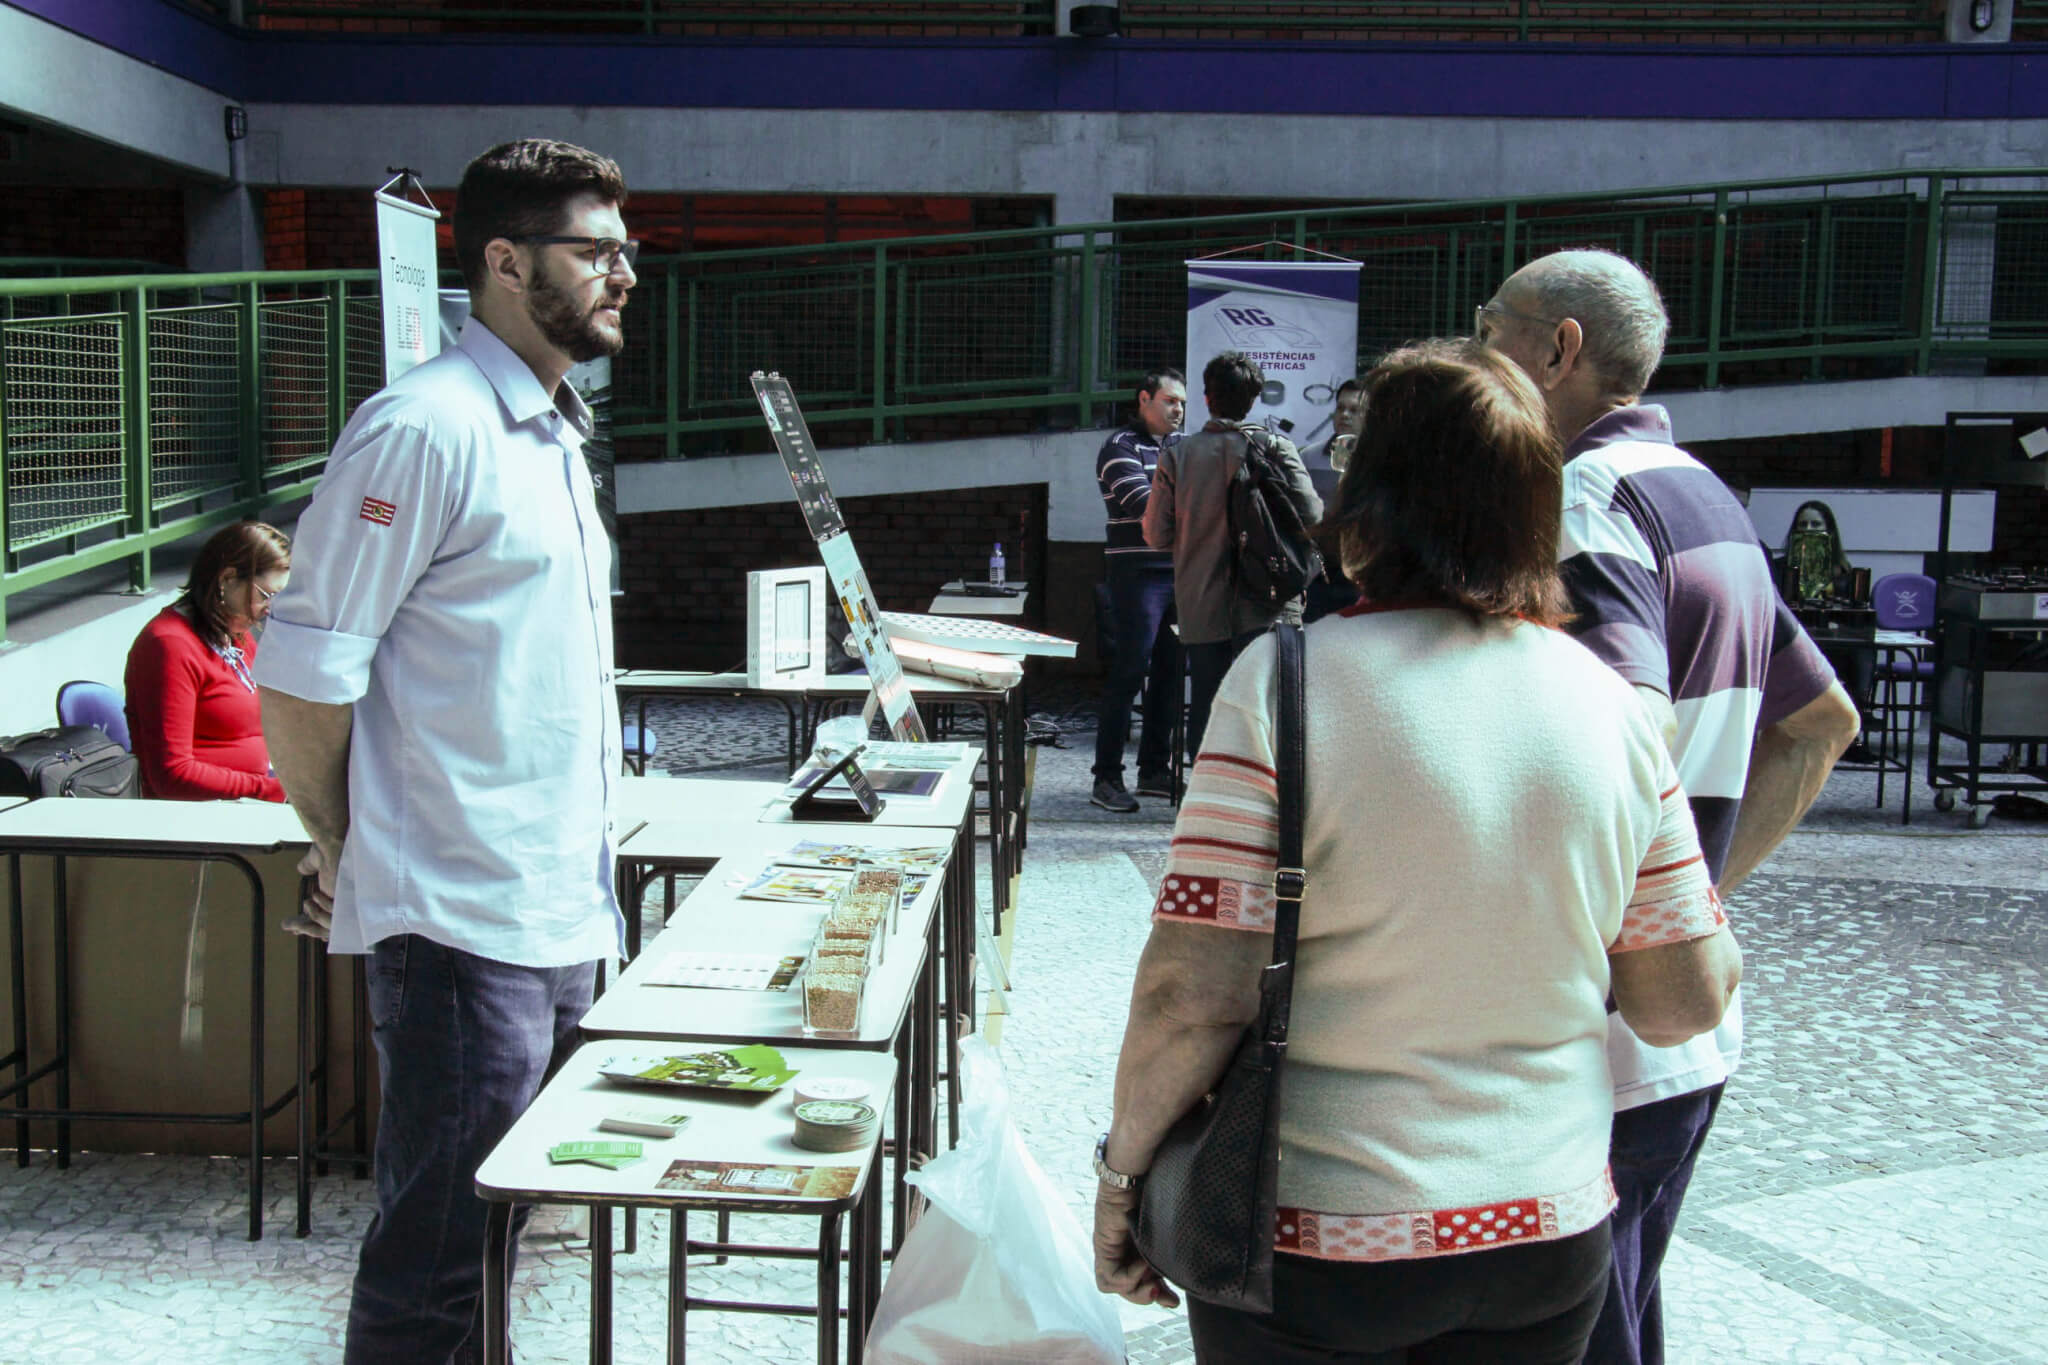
(70,760)
(1273,557)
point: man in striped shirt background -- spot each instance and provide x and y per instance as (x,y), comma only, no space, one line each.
(1145,654)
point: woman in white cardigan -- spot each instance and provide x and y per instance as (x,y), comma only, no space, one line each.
(1496,846)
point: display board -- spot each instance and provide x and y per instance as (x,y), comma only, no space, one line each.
(842,565)
(408,279)
(1297,319)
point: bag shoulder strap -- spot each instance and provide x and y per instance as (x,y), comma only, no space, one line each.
(1291,755)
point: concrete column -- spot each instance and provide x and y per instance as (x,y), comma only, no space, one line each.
(223,224)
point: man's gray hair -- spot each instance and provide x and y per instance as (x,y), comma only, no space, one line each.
(1617,306)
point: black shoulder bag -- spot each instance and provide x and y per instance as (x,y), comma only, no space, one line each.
(1206,1208)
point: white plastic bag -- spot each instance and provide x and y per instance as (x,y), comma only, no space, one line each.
(996,1271)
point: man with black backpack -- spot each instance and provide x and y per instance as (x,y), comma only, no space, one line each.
(1233,502)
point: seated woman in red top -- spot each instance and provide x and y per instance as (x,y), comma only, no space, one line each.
(192,710)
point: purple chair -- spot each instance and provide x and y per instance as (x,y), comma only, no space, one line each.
(1904,601)
(97,705)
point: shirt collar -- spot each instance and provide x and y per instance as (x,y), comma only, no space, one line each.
(516,385)
(1635,422)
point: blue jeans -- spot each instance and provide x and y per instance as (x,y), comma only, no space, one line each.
(463,1046)
(1653,1152)
(1146,657)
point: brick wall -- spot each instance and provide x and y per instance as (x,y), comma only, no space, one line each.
(127,223)
(684,572)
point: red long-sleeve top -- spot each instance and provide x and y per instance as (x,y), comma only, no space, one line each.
(196,726)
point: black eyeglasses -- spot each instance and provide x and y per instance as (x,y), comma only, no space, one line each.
(606,252)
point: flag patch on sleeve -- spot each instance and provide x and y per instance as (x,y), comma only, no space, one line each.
(379,511)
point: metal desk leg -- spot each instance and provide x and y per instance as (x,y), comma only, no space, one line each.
(498,1285)
(828,1289)
(678,1285)
(17,980)
(600,1284)
(903,1122)
(310,998)
(62,951)
(257,996)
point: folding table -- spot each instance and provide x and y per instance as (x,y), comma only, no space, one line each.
(725,1131)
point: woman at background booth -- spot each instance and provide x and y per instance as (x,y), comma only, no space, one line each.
(1495,840)
(192,710)
(1814,566)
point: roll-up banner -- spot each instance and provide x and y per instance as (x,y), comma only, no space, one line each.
(1297,319)
(409,282)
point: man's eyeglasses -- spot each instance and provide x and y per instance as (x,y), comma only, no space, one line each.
(1499,309)
(606,252)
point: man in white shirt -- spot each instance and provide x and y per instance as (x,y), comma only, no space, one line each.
(438,699)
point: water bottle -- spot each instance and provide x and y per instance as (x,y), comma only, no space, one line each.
(995,566)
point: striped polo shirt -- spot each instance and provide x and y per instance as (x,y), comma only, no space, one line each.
(1124,468)
(1673,592)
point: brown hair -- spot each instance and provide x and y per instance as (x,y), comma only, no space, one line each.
(1455,492)
(247,549)
(522,189)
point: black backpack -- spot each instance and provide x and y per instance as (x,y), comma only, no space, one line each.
(70,760)
(1273,557)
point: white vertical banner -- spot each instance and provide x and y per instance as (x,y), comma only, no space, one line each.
(1297,319)
(408,280)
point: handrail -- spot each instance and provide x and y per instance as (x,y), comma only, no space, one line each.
(136,408)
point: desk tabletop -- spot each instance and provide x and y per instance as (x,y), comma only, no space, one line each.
(635,680)
(951,601)
(715,918)
(921,685)
(724,1129)
(1883,639)
(174,827)
(720,804)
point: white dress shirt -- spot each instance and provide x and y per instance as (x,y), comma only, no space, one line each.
(451,579)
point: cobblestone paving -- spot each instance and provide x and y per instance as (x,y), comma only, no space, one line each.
(1873,1191)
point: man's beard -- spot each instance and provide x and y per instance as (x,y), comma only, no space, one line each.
(575,334)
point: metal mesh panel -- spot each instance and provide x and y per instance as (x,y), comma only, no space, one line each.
(293,345)
(970,325)
(195,402)
(65,428)
(1872,267)
(1677,252)
(640,370)
(1770,273)
(363,338)
(2019,291)
(815,325)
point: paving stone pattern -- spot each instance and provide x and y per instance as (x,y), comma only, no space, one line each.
(1872,1194)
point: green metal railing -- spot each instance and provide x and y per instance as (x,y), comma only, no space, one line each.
(135,410)
(1779,280)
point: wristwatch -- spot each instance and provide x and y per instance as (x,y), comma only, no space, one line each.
(1116,1180)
